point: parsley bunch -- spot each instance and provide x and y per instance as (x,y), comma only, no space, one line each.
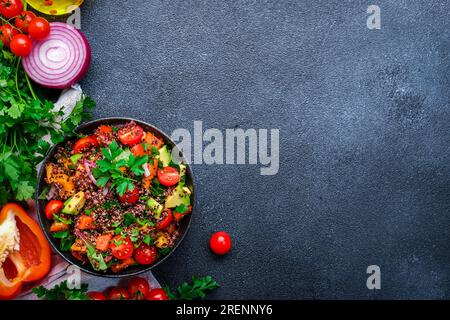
(25,119)
(114,167)
(197,289)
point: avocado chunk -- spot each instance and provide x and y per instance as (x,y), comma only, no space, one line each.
(165,156)
(74,159)
(180,195)
(74,204)
(182,170)
(155,207)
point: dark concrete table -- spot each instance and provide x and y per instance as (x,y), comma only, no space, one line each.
(364,125)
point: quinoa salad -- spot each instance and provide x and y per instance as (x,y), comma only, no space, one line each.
(115,198)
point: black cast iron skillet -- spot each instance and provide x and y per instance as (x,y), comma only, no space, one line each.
(89,128)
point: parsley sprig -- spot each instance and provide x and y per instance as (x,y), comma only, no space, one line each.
(195,290)
(120,167)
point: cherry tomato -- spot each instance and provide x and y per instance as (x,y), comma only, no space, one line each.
(23,20)
(131,135)
(105,129)
(157,294)
(168,176)
(145,254)
(104,135)
(84,143)
(118,293)
(94,295)
(220,243)
(138,288)
(10,8)
(122,248)
(21,45)
(130,197)
(38,28)
(138,150)
(7,32)
(165,222)
(53,207)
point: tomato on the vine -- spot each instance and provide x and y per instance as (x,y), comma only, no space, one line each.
(138,288)
(157,294)
(53,207)
(168,176)
(39,28)
(23,20)
(131,135)
(21,45)
(118,293)
(122,248)
(10,8)
(94,295)
(7,32)
(145,254)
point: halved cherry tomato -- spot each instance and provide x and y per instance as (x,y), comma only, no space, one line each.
(21,45)
(85,223)
(105,129)
(94,295)
(39,28)
(102,242)
(165,221)
(118,293)
(83,144)
(23,20)
(145,254)
(157,294)
(220,243)
(168,176)
(7,32)
(138,150)
(138,288)
(53,207)
(11,8)
(130,197)
(122,248)
(104,135)
(131,135)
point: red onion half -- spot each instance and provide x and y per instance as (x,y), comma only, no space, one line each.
(61,59)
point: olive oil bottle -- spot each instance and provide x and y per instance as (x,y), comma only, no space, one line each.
(55,7)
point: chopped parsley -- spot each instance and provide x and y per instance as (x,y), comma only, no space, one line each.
(129,220)
(147,239)
(115,167)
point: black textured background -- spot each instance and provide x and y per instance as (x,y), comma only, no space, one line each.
(364,126)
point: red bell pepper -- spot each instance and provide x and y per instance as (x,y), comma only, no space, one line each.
(31,262)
